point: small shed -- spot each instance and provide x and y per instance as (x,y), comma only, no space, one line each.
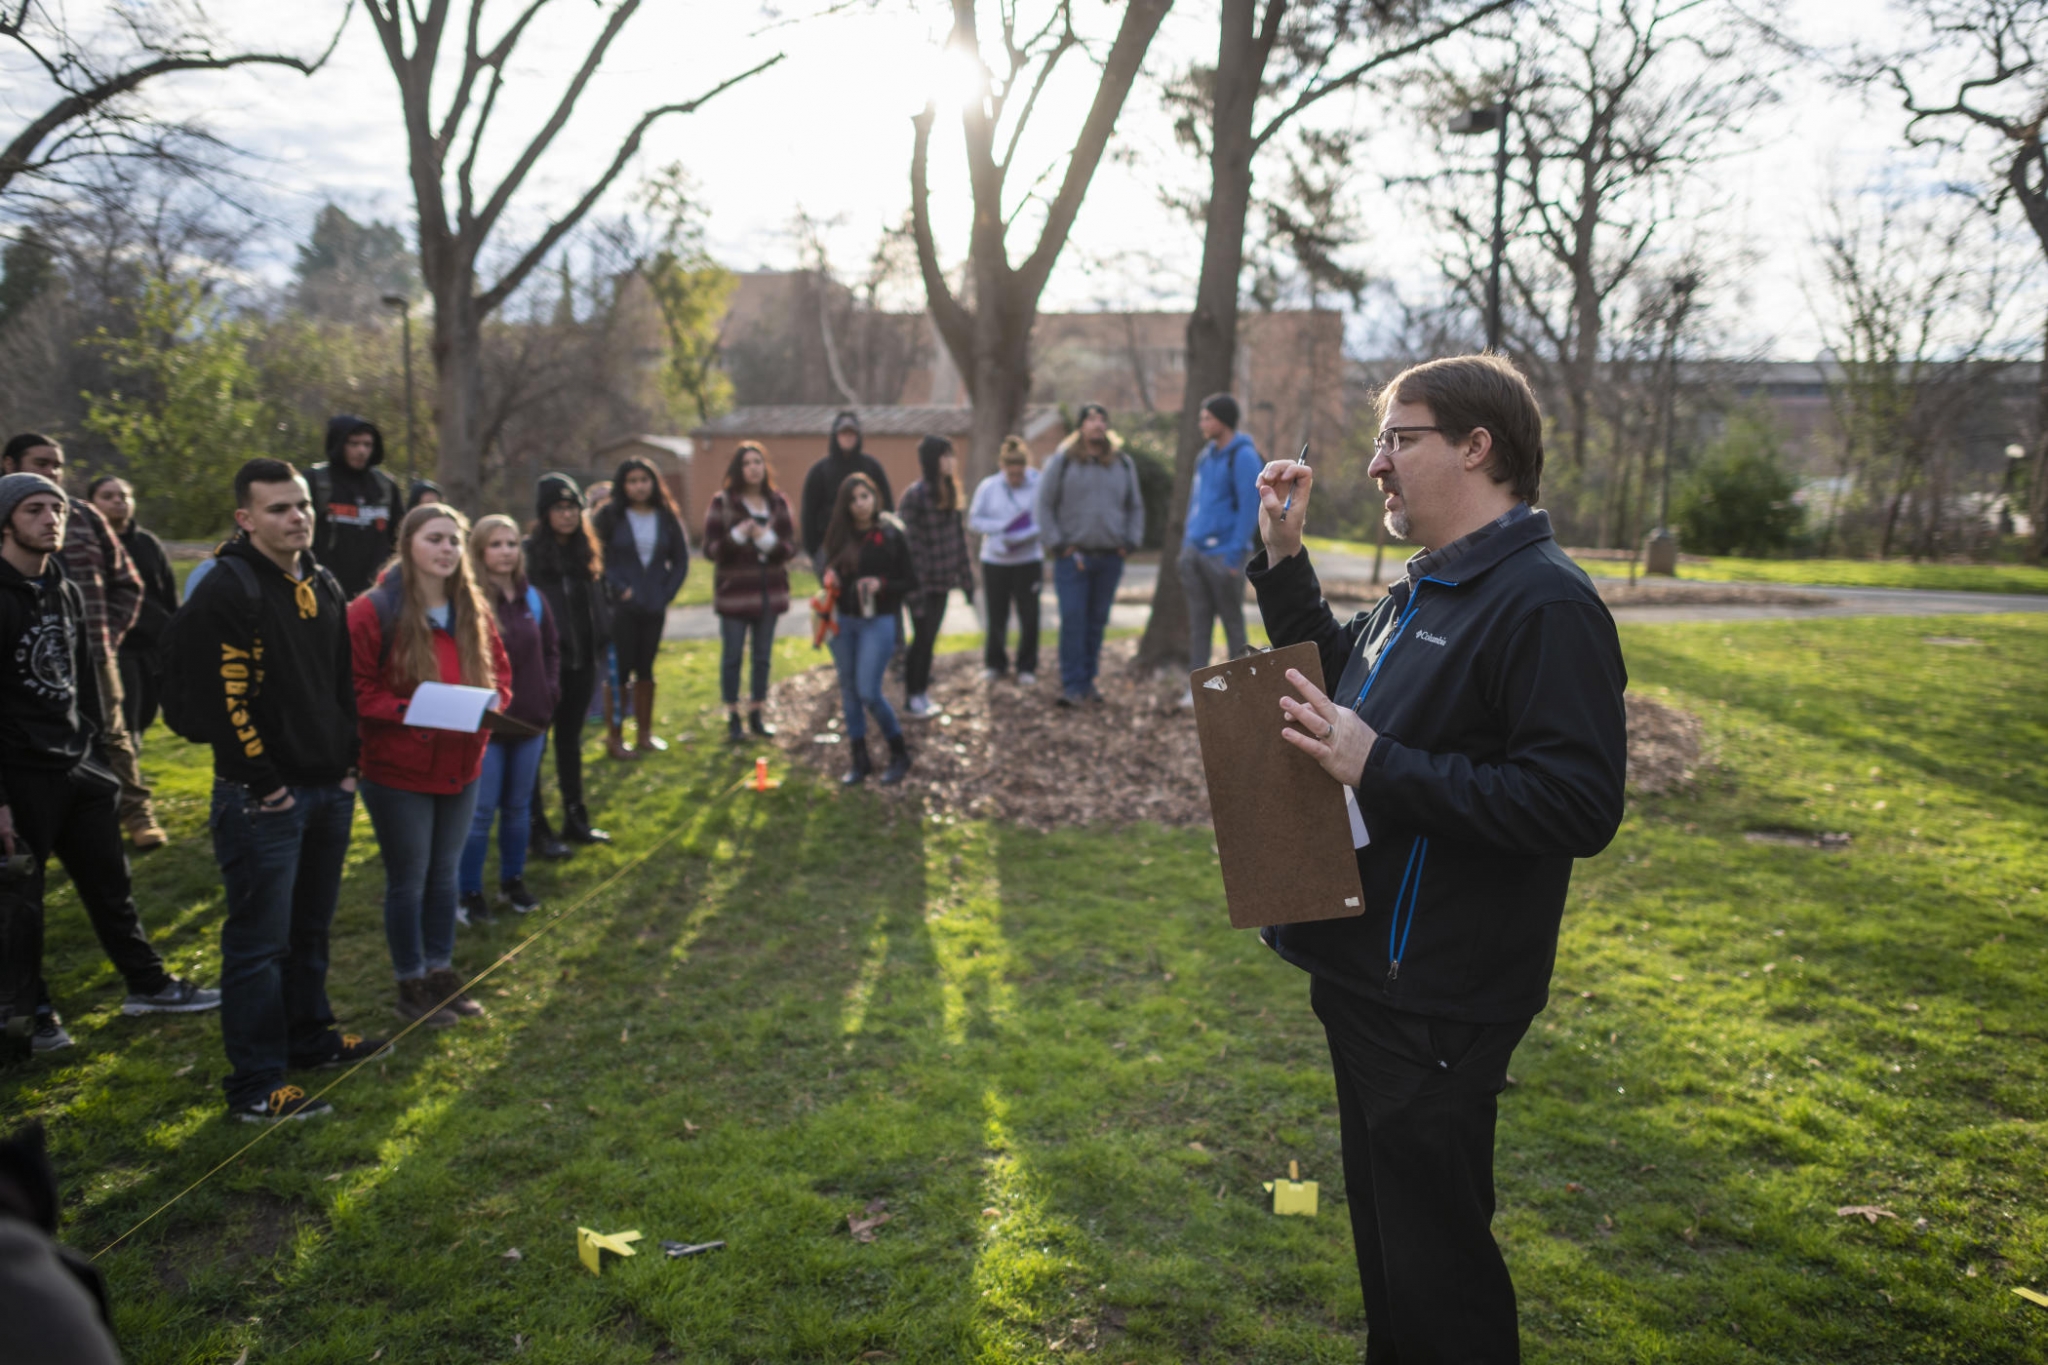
(795,436)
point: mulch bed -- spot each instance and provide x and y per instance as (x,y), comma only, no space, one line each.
(1002,752)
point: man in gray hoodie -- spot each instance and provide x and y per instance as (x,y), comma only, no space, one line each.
(1091,514)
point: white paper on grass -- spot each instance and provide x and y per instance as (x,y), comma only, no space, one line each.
(1359,838)
(447,706)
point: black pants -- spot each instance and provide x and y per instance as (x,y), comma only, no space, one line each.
(75,818)
(138,691)
(571,714)
(1005,584)
(732,631)
(927,613)
(636,638)
(1416,1100)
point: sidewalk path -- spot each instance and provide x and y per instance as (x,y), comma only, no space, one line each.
(700,623)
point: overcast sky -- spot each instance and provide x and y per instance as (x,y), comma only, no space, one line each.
(828,130)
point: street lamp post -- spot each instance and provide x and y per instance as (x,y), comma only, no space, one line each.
(1492,118)
(1662,556)
(403,305)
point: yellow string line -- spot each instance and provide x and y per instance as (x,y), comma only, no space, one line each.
(273,1125)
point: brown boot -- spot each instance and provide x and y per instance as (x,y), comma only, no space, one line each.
(417,1000)
(643,718)
(442,982)
(143,830)
(615,746)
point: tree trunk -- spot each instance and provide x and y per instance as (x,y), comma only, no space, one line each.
(2037,504)
(458,399)
(1212,328)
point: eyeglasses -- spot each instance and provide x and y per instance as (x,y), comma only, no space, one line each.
(1388,442)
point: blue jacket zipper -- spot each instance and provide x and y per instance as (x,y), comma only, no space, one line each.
(1398,929)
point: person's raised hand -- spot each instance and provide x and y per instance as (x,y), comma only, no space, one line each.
(1332,735)
(1276,481)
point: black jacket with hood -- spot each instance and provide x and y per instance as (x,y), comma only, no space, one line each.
(1496,692)
(283,672)
(49,687)
(821,484)
(356,512)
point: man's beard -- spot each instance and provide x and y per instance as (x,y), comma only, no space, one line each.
(1397,522)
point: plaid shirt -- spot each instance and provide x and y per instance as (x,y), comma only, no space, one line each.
(938,543)
(105,575)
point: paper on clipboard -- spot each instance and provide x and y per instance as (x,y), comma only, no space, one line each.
(1282,833)
(449,706)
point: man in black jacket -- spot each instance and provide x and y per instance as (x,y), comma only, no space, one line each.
(57,795)
(284,786)
(843,456)
(356,505)
(1477,724)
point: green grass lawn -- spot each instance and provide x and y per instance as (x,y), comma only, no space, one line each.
(1835,573)
(1067,1077)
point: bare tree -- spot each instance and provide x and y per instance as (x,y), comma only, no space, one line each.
(457,216)
(988,332)
(1276,60)
(93,83)
(1993,56)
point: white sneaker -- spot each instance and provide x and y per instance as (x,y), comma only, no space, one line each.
(991,675)
(920,707)
(1187,700)
(1027,680)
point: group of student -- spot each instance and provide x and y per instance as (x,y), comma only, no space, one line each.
(299,644)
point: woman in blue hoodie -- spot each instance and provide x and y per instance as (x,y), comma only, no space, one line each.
(646,558)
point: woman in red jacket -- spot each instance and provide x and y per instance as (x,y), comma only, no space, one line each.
(424,621)
(749,538)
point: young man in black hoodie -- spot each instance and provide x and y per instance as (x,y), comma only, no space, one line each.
(284,784)
(843,456)
(1478,730)
(57,796)
(356,505)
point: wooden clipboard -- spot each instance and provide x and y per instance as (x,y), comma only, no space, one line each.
(1281,828)
(498,723)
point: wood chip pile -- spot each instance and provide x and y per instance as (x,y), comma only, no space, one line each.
(1002,752)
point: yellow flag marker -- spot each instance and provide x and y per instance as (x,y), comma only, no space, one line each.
(590,1244)
(2031,1297)
(1294,1195)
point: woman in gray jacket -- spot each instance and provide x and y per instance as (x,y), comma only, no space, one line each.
(1091,514)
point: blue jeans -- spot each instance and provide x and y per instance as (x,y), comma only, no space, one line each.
(1086,592)
(861,650)
(421,837)
(282,874)
(511,766)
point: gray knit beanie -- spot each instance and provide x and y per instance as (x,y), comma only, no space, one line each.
(14,488)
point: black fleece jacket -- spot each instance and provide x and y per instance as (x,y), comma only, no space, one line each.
(1501,755)
(49,688)
(355,512)
(283,674)
(821,490)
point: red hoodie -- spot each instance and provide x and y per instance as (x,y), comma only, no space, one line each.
(414,758)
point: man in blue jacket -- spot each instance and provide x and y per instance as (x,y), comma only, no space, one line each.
(1223,511)
(1476,727)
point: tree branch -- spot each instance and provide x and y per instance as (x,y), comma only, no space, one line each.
(955,324)
(561,227)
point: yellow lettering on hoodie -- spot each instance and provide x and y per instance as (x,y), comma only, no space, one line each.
(228,651)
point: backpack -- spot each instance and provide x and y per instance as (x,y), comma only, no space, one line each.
(191,709)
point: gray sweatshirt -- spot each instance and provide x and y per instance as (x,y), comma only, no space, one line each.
(1089,505)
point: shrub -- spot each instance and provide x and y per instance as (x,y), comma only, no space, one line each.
(1738,499)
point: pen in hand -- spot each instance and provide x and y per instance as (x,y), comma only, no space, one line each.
(1288,506)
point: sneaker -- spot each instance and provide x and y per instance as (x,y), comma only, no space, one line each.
(1071,699)
(920,708)
(1027,680)
(472,910)
(1093,697)
(349,1048)
(1187,700)
(442,983)
(522,901)
(49,1035)
(285,1102)
(991,675)
(177,997)
(417,1001)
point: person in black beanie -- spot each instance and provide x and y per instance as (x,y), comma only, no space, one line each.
(356,505)
(843,456)
(564,563)
(933,514)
